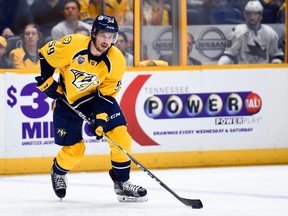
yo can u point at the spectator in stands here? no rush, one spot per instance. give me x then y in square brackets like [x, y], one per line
[122, 45]
[240, 5]
[14, 16]
[155, 12]
[272, 10]
[220, 12]
[27, 56]
[281, 13]
[119, 9]
[4, 61]
[71, 12]
[252, 42]
[47, 13]
[190, 60]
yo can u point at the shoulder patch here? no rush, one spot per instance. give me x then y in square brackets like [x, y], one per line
[67, 40]
[80, 59]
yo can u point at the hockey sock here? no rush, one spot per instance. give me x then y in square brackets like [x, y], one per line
[120, 171]
[57, 169]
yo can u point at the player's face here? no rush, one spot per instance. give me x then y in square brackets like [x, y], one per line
[103, 41]
[253, 19]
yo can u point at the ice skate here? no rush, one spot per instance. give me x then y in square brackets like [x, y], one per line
[59, 183]
[128, 192]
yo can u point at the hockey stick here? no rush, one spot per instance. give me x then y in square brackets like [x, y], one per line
[194, 203]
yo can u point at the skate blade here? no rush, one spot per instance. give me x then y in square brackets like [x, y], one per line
[132, 199]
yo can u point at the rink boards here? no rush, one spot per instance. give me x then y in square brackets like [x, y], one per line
[178, 117]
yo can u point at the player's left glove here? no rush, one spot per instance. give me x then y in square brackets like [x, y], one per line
[49, 86]
[97, 123]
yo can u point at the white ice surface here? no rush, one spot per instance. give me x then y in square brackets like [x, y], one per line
[229, 191]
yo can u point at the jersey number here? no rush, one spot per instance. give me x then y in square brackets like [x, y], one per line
[51, 48]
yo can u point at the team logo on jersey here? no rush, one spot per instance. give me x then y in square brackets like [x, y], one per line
[67, 40]
[80, 60]
[61, 132]
[256, 50]
[83, 80]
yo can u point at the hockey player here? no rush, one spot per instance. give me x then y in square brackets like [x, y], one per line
[252, 42]
[91, 69]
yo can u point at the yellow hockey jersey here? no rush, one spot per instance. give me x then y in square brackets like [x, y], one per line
[81, 72]
[22, 60]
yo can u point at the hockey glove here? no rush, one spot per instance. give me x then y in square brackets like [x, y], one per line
[49, 86]
[97, 123]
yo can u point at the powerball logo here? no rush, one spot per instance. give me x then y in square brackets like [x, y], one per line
[203, 105]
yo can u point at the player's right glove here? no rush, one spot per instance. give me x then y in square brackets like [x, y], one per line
[97, 123]
[49, 86]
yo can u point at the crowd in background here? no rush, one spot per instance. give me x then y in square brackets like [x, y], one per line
[27, 25]
[231, 11]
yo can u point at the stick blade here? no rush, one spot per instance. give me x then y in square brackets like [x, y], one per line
[194, 203]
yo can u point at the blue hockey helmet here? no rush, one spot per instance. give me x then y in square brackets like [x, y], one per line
[105, 23]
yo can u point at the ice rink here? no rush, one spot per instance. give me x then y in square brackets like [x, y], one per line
[229, 191]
